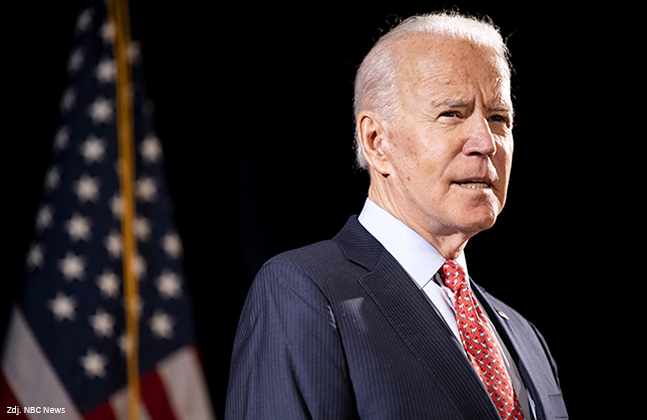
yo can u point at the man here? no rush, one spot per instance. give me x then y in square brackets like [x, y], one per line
[382, 321]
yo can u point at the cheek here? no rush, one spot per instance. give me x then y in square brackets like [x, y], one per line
[507, 148]
[506, 167]
[424, 168]
[404, 157]
[503, 167]
[416, 161]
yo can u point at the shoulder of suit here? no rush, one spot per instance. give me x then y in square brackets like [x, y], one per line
[314, 259]
[352, 245]
[322, 264]
[319, 251]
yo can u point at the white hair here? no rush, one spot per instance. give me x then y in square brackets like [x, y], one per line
[375, 84]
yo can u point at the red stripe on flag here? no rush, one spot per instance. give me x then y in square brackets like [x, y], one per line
[102, 412]
[154, 397]
[8, 400]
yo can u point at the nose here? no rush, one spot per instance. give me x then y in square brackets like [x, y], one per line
[479, 138]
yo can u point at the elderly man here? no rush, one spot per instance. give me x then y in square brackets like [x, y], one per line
[383, 321]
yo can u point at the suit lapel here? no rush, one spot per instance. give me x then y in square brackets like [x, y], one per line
[422, 330]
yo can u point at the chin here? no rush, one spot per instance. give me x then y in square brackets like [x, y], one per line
[476, 221]
[478, 213]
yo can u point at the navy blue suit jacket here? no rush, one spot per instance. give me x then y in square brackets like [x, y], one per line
[337, 330]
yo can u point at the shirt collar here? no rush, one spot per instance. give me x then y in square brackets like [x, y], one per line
[417, 256]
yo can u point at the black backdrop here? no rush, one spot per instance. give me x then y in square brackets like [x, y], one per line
[254, 110]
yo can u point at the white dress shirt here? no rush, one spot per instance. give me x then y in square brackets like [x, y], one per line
[422, 262]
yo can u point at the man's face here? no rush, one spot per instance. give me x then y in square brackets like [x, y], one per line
[451, 149]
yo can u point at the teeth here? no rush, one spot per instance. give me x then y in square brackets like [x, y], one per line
[475, 185]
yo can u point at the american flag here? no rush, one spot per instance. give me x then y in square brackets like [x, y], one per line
[66, 342]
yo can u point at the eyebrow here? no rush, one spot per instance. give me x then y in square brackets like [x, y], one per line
[460, 103]
[451, 103]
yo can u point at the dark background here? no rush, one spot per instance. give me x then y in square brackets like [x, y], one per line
[254, 110]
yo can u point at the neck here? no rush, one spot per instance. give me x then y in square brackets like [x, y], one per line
[449, 243]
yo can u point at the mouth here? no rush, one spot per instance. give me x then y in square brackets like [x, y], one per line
[475, 184]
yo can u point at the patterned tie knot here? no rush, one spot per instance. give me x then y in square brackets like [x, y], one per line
[454, 276]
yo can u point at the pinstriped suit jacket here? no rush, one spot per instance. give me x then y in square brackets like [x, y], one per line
[337, 330]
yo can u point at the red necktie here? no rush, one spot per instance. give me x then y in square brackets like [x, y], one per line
[480, 344]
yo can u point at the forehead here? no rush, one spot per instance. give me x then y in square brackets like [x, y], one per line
[432, 65]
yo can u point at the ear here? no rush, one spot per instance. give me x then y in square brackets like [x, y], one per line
[372, 134]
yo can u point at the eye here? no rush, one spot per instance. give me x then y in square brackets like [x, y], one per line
[449, 114]
[500, 119]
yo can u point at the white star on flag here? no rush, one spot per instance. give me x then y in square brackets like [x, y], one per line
[75, 61]
[35, 257]
[140, 267]
[63, 307]
[93, 149]
[168, 284]
[142, 228]
[151, 149]
[146, 189]
[52, 179]
[102, 323]
[72, 267]
[134, 52]
[172, 245]
[106, 71]
[117, 207]
[113, 244]
[87, 188]
[44, 217]
[161, 325]
[125, 345]
[78, 227]
[108, 283]
[84, 20]
[108, 32]
[101, 111]
[68, 100]
[94, 364]
[62, 138]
